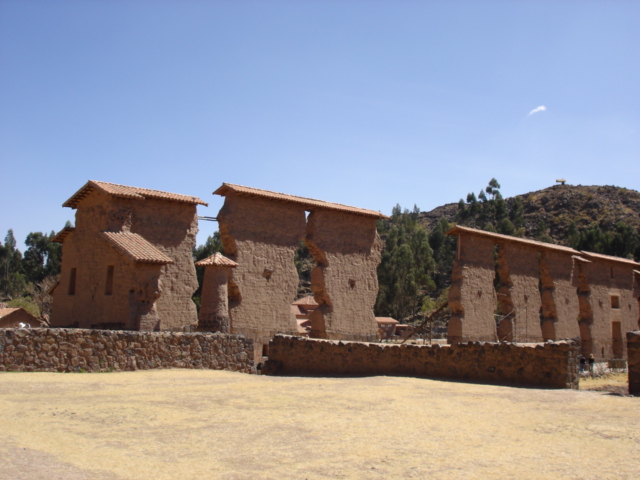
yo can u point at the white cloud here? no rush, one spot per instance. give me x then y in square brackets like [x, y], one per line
[541, 108]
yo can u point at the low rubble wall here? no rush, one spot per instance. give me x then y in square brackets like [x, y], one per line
[551, 365]
[633, 361]
[82, 350]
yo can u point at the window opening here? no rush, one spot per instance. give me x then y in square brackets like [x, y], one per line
[615, 301]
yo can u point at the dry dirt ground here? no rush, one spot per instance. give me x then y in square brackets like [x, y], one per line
[194, 424]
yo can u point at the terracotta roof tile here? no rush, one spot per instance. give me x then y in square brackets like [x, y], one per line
[7, 310]
[62, 234]
[230, 189]
[123, 191]
[599, 256]
[499, 237]
[136, 247]
[216, 260]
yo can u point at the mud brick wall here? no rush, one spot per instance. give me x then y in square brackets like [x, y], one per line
[74, 350]
[144, 296]
[560, 303]
[633, 361]
[552, 365]
[347, 251]
[262, 236]
[472, 297]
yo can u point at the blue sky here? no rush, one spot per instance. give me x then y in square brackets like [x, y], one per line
[366, 103]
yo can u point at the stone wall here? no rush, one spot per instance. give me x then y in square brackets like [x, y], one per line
[74, 350]
[551, 365]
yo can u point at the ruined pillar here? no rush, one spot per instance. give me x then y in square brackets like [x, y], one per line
[519, 292]
[261, 235]
[472, 297]
[585, 310]
[560, 308]
[214, 300]
[347, 249]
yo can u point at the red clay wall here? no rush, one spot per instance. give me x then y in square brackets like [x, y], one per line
[551, 365]
[347, 249]
[472, 296]
[73, 350]
[262, 237]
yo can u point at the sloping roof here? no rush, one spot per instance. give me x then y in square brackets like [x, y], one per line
[457, 230]
[216, 260]
[123, 191]
[308, 300]
[231, 189]
[62, 234]
[135, 247]
[599, 256]
[9, 310]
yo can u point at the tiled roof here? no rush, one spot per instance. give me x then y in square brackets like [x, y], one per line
[123, 191]
[62, 234]
[507, 238]
[135, 247]
[386, 320]
[308, 300]
[230, 189]
[610, 258]
[216, 260]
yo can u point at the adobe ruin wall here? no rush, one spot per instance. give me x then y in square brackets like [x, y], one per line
[633, 361]
[144, 296]
[75, 350]
[547, 365]
[261, 236]
[472, 296]
[347, 250]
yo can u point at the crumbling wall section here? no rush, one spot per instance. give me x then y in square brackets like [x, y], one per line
[633, 361]
[560, 301]
[172, 228]
[525, 291]
[472, 297]
[347, 249]
[261, 236]
[549, 365]
[81, 350]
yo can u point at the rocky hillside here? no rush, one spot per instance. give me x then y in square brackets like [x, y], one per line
[559, 205]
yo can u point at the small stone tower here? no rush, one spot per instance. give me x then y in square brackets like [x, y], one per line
[214, 304]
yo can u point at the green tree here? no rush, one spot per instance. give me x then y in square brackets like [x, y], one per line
[404, 274]
[41, 258]
[12, 280]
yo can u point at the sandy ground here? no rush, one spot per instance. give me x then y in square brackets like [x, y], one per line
[193, 424]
